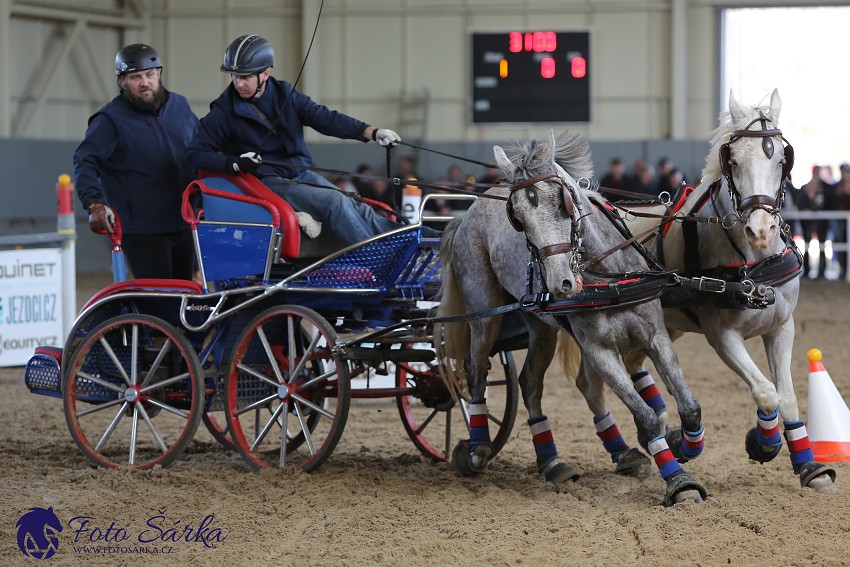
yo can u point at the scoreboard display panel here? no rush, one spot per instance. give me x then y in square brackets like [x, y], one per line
[530, 76]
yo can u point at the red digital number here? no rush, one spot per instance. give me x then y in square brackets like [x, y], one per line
[515, 42]
[578, 67]
[547, 67]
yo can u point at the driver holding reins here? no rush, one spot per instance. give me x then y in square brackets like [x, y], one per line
[257, 126]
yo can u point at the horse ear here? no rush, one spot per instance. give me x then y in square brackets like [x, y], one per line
[775, 106]
[503, 162]
[550, 147]
[735, 110]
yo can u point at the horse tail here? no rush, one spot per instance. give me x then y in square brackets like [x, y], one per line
[569, 354]
[451, 340]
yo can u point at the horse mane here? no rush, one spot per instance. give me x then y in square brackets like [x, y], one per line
[572, 152]
[721, 134]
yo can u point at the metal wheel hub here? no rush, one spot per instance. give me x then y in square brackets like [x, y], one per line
[132, 395]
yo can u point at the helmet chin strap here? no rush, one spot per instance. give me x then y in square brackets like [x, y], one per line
[260, 85]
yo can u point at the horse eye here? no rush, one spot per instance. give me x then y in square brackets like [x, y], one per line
[531, 195]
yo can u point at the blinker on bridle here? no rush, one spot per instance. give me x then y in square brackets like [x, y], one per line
[569, 206]
[772, 205]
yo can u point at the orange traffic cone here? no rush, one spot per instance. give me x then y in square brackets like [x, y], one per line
[829, 417]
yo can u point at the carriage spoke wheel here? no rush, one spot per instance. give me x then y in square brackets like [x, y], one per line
[133, 392]
[436, 423]
[287, 393]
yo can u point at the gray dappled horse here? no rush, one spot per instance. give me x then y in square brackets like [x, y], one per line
[739, 236]
[484, 266]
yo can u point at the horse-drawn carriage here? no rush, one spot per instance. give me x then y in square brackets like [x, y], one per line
[264, 349]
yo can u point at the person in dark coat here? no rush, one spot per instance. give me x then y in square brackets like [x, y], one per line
[257, 126]
[131, 163]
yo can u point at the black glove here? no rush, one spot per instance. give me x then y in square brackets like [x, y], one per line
[246, 163]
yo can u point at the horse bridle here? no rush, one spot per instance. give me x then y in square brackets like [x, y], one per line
[772, 205]
[570, 206]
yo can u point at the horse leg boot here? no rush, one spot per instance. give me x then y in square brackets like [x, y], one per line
[471, 458]
[646, 387]
[541, 351]
[763, 441]
[628, 461]
[681, 487]
[812, 474]
[688, 442]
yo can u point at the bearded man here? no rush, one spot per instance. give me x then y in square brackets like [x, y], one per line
[131, 163]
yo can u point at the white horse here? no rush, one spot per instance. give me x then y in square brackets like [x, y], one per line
[737, 240]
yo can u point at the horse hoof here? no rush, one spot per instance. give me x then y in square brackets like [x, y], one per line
[683, 488]
[471, 462]
[758, 452]
[633, 463]
[819, 477]
[557, 471]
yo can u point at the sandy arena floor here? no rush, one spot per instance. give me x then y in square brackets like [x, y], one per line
[376, 501]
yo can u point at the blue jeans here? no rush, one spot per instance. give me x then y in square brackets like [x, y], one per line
[349, 220]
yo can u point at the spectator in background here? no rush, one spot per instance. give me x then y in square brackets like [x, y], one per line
[454, 178]
[376, 188]
[663, 170]
[812, 197]
[491, 176]
[841, 202]
[632, 177]
[646, 182]
[133, 161]
[674, 179]
[614, 178]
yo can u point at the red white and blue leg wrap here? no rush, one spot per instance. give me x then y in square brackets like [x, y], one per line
[693, 442]
[767, 430]
[479, 431]
[544, 443]
[609, 433]
[798, 444]
[645, 386]
[666, 462]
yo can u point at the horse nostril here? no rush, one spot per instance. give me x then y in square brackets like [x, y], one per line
[567, 286]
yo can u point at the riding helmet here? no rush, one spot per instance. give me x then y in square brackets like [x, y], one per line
[248, 54]
[136, 57]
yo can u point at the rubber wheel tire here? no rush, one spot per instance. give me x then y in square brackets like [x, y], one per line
[436, 429]
[287, 393]
[136, 377]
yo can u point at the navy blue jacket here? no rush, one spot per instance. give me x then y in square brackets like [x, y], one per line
[135, 162]
[234, 127]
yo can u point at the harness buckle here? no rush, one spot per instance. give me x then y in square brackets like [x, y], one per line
[711, 285]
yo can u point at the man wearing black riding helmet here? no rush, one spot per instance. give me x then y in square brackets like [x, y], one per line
[257, 126]
[132, 162]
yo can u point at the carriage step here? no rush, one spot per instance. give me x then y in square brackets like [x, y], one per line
[390, 355]
[42, 374]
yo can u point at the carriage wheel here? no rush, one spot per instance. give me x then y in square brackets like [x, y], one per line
[216, 424]
[133, 392]
[287, 393]
[436, 423]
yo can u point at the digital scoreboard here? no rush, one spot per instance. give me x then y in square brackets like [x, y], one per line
[530, 76]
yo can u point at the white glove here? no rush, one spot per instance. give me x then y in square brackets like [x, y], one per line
[110, 220]
[311, 227]
[386, 137]
[247, 163]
